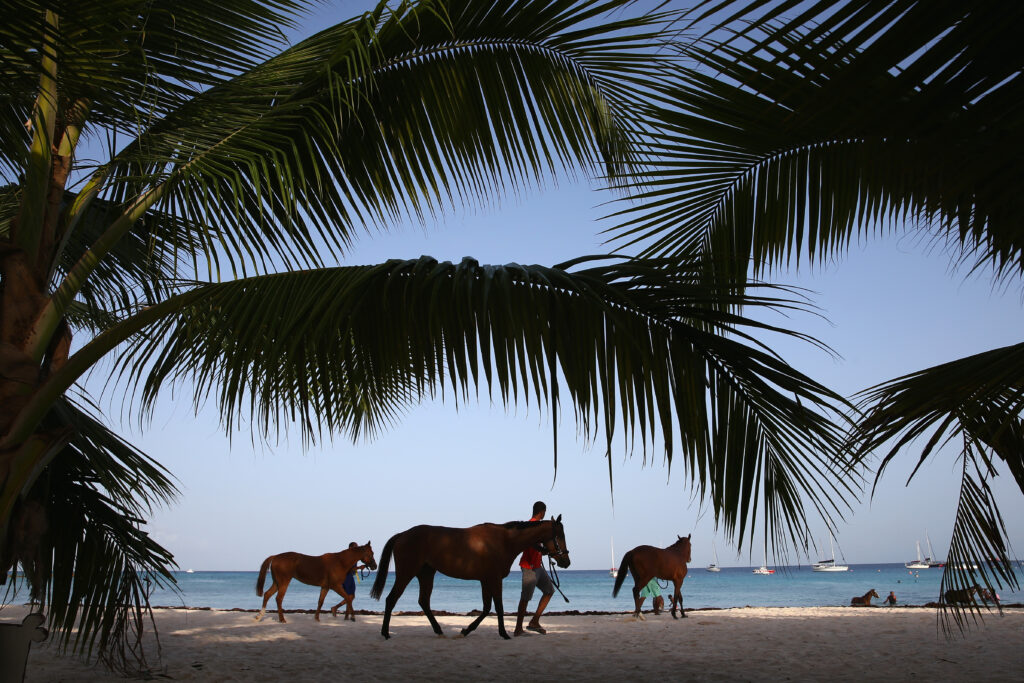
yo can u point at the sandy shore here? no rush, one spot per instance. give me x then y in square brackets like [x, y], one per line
[747, 644]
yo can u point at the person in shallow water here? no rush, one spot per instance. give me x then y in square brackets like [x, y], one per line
[534, 576]
[890, 599]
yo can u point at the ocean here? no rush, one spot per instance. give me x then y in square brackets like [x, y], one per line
[591, 590]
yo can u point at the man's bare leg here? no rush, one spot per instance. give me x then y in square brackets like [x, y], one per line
[523, 604]
[535, 622]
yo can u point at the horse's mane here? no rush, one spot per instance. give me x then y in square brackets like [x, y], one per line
[521, 525]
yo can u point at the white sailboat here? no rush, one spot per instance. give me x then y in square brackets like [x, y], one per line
[613, 572]
[713, 567]
[763, 569]
[932, 562]
[918, 563]
[830, 565]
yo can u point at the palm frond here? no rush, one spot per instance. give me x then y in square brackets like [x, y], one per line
[403, 111]
[349, 349]
[792, 137]
[978, 401]
[978, 560]
[132, 61]
[94, 562]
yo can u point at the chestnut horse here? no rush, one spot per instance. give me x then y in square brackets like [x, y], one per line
[645, 562]
[327, 571]
[483, 553]
[863, 600]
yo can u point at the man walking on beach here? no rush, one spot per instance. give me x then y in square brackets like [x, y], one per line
[534, 576]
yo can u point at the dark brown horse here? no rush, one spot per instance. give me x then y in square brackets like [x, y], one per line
[483, 553]
[327, 571]
[863, 600]
[645, 562]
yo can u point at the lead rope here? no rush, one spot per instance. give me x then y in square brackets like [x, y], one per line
[554, 577]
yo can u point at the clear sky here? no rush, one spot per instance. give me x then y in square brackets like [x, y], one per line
[893, 307]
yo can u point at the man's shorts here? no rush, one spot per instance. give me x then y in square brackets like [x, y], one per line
[536, 578]
[350, 584]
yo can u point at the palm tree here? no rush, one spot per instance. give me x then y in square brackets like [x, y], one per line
[203, 246]
[800, 126]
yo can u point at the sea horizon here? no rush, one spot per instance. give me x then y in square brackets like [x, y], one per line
[588, 590]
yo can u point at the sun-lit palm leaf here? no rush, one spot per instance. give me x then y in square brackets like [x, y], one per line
[396, 112]
[349, 349]
[131, 60]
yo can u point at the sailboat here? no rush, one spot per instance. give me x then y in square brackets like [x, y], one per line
[932, 562]
[763, 569]
[830, 565]
[613, 572]
[918, 563]
[713, 567]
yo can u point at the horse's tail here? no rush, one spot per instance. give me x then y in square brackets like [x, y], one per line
[620, 575]
[382, 569]
[263, 575]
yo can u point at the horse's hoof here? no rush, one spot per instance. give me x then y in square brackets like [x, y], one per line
[505, 636]
[387, 636]
[441, 635]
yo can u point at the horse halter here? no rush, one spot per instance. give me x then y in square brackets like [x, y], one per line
[559, 550]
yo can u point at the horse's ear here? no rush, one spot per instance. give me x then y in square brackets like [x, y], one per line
[367, 544]
[559, 518]
[678, 537]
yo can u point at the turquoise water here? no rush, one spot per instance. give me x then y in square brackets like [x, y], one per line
[591, 590]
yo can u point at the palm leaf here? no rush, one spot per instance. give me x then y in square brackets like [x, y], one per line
[327, 137]
[349, 349]
[96, 562]
[791, 137]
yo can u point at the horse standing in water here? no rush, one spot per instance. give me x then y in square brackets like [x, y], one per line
[327, 571]
[645, 562]
[863, 600]
[483, 553]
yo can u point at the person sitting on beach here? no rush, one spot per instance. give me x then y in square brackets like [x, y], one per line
[652, 589]
[890, 599]
[534, 575]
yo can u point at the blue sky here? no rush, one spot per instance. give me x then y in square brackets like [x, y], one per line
[893, 307]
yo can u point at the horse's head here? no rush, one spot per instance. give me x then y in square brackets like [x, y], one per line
[683, 545]
[873, 593]
[555, 546]
[367, 556]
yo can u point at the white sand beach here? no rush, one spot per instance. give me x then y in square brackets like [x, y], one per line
[745, 644]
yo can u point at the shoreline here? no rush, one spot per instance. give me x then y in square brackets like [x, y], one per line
[734, 644]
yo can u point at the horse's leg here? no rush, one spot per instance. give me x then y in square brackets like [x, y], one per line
[499, 608]
[282, 588]
[426, 579]
[637, 601]
[320, 602]
[486, 592]
[266, 599]
[402, 580]
[677, 597]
